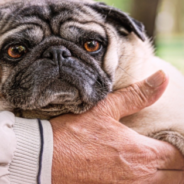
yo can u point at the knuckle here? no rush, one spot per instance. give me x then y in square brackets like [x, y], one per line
[107, 106]
[140, 98]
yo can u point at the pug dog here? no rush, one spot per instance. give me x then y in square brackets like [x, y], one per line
[59, 56]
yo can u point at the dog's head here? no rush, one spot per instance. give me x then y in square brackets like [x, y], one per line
[60, 56]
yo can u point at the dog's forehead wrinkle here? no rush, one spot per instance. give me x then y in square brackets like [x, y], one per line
[35, 34]
[37, 22]
[86, 26]
[14, 21]
[5, 21]
[80, 14]
[42, 12]
[46, 16]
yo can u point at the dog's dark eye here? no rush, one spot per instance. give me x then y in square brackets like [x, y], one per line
[92, 46]
[16, 51]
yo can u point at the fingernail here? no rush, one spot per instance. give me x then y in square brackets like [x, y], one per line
[156, 79]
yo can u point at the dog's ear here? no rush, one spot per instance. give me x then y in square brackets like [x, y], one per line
[120, 19]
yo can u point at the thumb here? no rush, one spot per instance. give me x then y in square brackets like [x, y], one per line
[136, 97]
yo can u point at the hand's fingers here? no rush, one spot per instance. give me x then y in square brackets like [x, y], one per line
[136, 97]
[171, 158]
[166, 155]
[167, 177]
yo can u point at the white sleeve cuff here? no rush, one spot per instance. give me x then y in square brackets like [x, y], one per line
[32, 162]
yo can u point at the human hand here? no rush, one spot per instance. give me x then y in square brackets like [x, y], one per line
[94, 148]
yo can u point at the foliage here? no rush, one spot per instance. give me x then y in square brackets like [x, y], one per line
[171, 49]
[124, 5]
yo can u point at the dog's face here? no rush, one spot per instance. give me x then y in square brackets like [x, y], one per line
[63, 56]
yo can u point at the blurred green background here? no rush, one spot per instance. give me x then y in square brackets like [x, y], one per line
[164, 21]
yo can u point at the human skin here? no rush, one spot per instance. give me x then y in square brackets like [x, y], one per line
[94, 148]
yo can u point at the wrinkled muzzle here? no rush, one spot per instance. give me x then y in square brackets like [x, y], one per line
[56, 75]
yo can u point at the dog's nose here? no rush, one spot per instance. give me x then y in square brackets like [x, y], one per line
[57, 53]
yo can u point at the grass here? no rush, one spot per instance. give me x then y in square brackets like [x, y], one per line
[171, 49]
[120, 4]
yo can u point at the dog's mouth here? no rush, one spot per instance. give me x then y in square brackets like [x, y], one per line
[61, 92]
[69, 100]
[60, 102]
[59, 97]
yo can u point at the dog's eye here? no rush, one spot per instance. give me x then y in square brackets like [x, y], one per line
[16, 51]
[92, 46]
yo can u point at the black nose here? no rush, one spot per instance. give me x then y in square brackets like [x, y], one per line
[57, 53]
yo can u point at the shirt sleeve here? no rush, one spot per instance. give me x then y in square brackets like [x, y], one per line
[7, 144]
[32, 161]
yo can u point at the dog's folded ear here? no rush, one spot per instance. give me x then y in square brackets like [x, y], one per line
[120, 19]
